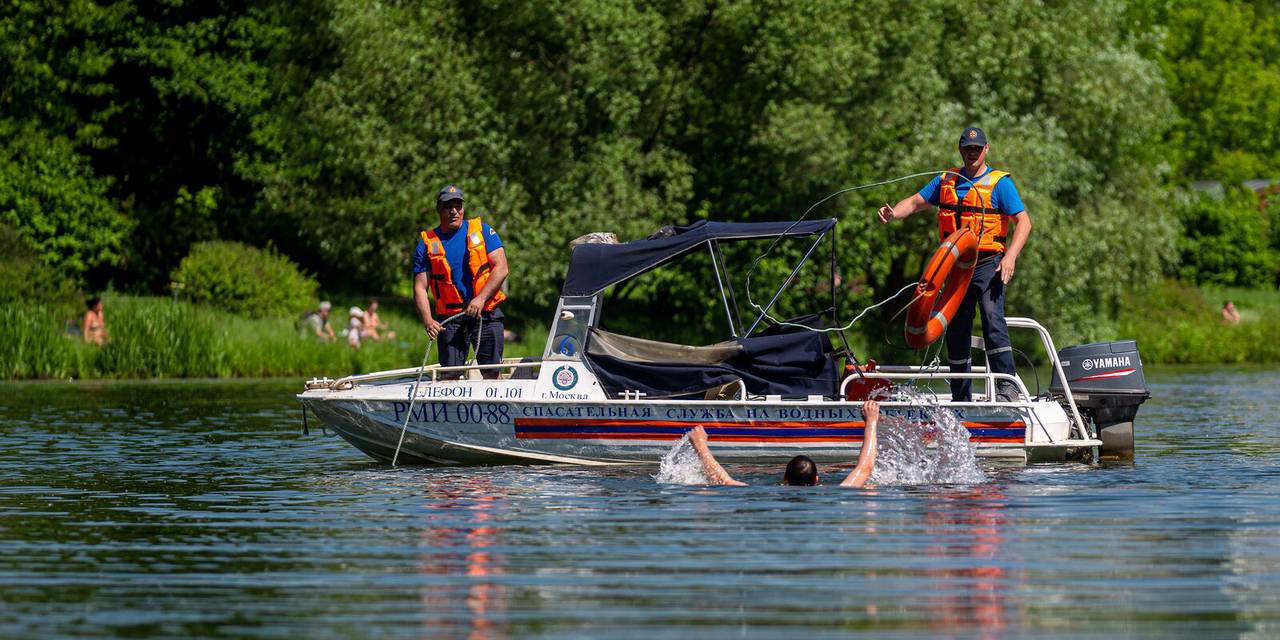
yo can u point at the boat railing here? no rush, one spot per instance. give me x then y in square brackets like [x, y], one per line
[982, 373]
[990, 377]
[1022, 401]
[1052, 351]
[435, 372]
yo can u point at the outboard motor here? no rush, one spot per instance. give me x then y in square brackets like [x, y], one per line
[1107, 383]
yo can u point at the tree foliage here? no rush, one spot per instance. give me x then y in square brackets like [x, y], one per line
[324, 127]
[157, 111]
[1227, 243]
[616, 116]
[1220, 59]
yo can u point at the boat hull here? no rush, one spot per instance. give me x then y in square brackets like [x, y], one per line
[612, 432]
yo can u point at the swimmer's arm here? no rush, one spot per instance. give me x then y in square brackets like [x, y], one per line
[715, 473]
[867, 457]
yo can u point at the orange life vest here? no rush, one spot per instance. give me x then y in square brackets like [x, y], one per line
[448, 299]
[974, 212]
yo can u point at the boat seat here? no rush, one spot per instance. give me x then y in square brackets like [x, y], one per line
[604, 343]
[523, 373]
[726, 391]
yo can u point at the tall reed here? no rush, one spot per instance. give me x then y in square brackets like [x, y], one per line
[163, 338]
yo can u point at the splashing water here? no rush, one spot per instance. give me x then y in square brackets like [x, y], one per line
[907, 453]
[680, 465]
[937, 452]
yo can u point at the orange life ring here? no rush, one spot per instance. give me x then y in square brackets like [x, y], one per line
[942, 288]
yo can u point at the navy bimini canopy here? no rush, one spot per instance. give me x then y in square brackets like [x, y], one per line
[786, 361]
[594, 267]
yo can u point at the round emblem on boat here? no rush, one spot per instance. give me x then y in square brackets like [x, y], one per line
[564, 378]
[1087, 364]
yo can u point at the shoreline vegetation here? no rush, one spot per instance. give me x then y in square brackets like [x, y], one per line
[157, 337]
[247, 156]
[1176, 323]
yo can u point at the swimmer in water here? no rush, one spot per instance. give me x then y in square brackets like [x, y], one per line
[801, 470]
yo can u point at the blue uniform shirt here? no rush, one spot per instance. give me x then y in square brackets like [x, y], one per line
[1004, 197]
[455, 251]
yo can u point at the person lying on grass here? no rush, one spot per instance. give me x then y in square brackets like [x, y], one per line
[801, 470]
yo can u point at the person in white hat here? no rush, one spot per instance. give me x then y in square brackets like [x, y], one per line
[353, 327]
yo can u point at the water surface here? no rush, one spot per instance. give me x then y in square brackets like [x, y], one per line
[200, 509]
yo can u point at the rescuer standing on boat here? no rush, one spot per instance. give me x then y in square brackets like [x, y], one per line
[463, 264]
[985, 200]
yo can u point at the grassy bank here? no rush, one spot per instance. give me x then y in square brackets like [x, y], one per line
[161, 338]
[1177, 323]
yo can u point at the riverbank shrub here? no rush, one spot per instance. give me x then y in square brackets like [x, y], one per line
[1226, 242]
[24, 278]
[243, 279]
[1176, 323]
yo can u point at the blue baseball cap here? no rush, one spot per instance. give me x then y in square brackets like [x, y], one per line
[449, 192]
[973, 137]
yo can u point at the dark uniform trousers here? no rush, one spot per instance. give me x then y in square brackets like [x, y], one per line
[986, 291]
[459, 336]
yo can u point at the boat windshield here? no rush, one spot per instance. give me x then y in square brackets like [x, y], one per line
[574, 316]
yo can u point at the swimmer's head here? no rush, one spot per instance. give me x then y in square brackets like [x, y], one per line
[801, 471]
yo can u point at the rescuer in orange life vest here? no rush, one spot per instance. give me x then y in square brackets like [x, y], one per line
[986, 201]
[463, 264]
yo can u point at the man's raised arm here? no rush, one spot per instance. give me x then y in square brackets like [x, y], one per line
[715, 473]
[867, 457]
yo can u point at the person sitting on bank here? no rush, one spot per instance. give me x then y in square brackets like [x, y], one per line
[801, 470]
[1229, 313]
[353, 327]
[464, 269]
[317, 322]
[94, 326]
[373, 324]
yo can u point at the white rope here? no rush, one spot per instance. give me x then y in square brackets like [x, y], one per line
[851, 322]
[413, 395]
[479, 337]
[778, 239]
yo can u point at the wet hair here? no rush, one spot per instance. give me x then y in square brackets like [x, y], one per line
[801, 471]
[92, 302]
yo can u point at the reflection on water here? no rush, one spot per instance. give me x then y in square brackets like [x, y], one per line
[971, 595]
[199, 509]
[463, 550]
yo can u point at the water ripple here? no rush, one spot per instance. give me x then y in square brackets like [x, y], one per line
[199, 509]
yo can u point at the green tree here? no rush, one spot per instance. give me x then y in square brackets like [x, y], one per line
[165, 110]
[1220, 59]
[53, 62]
[63, 213]
[585, 116]
[1226, 242]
